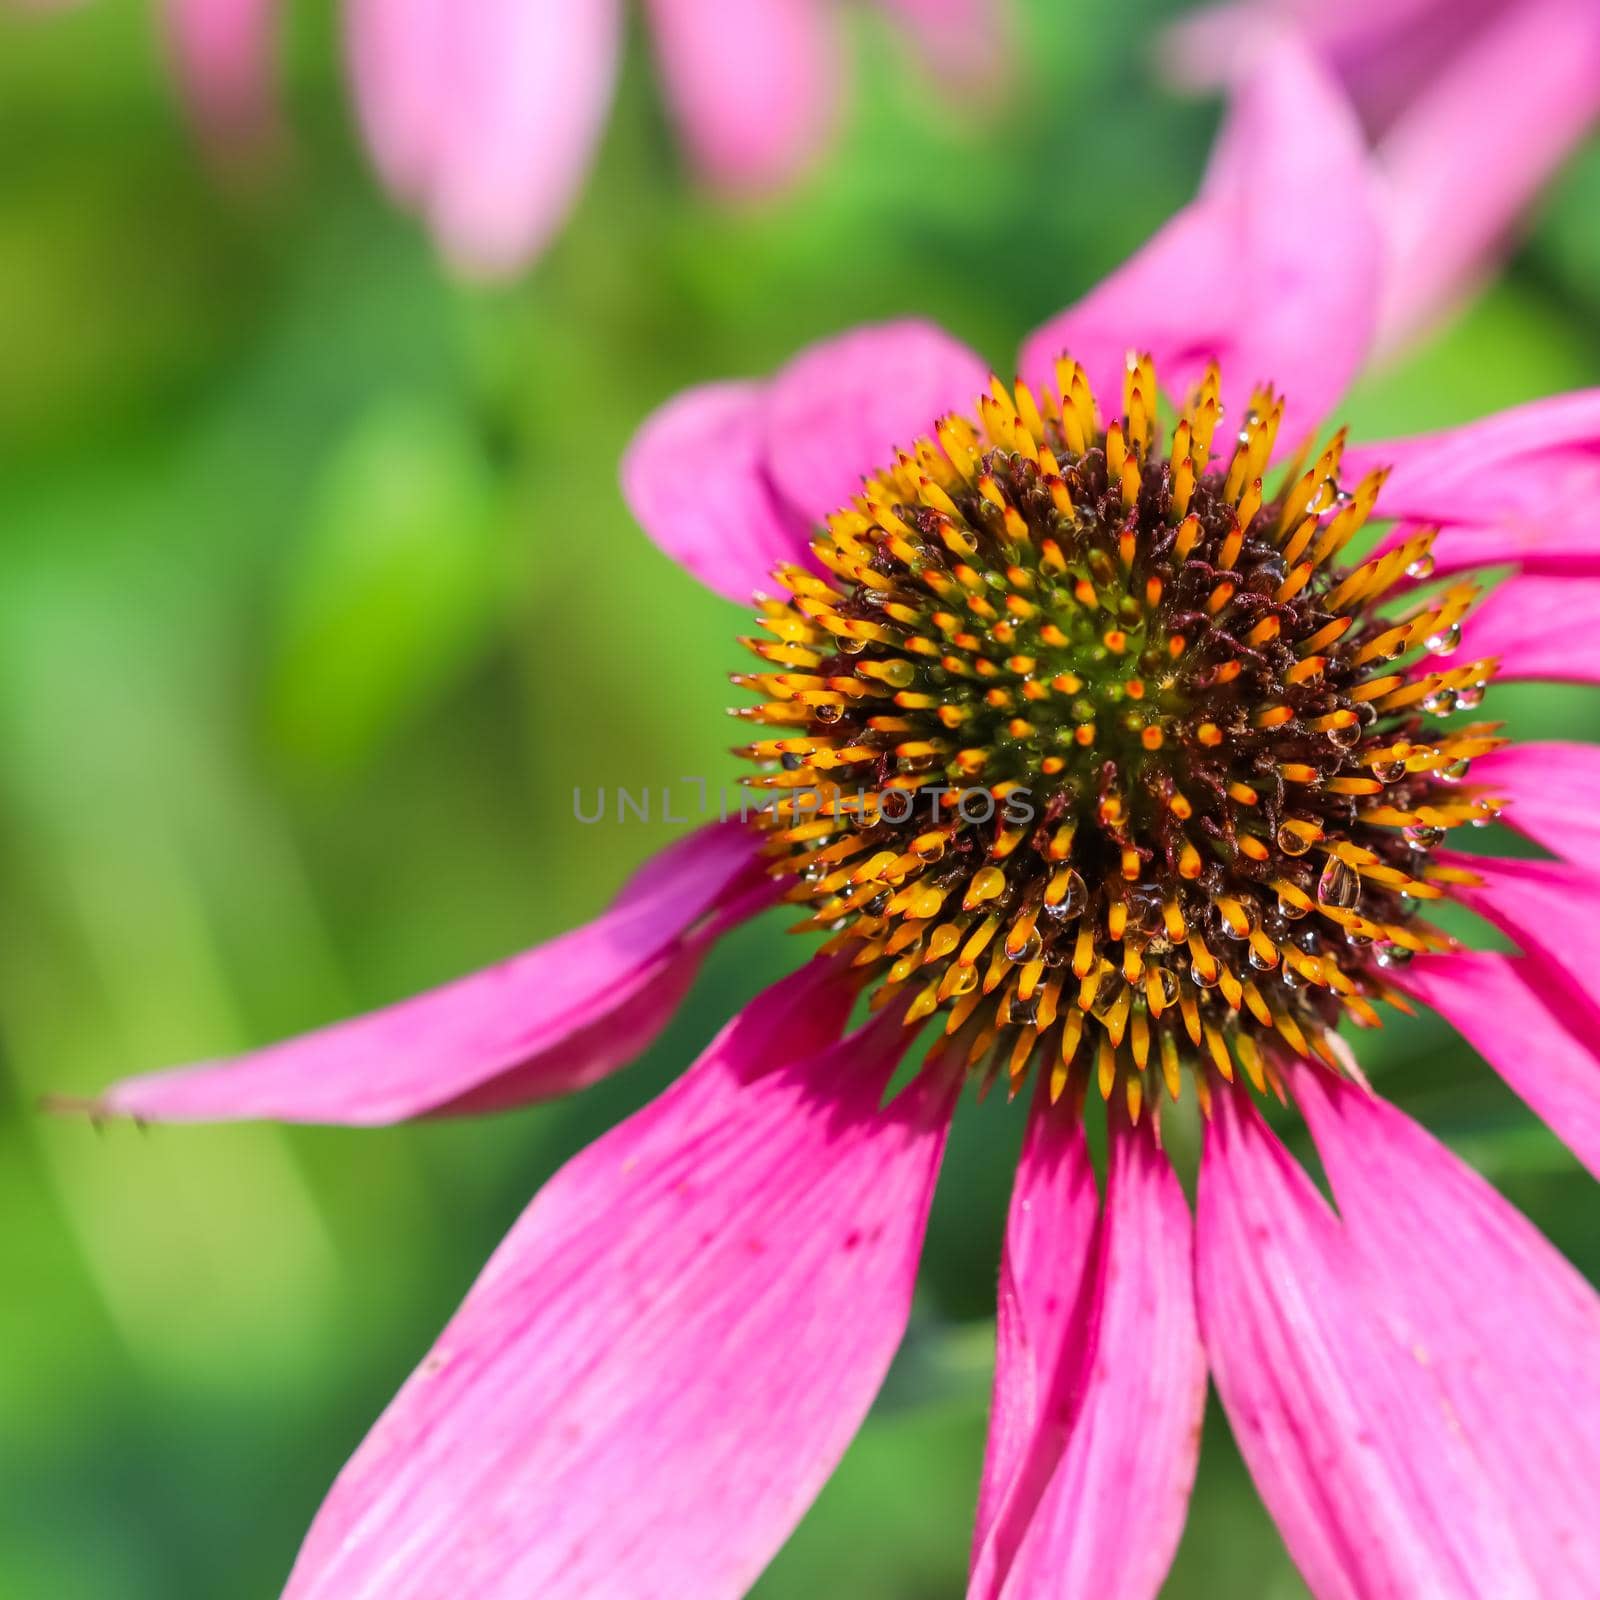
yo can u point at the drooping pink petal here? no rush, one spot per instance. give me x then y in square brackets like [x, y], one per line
[1508, 1331]
[1044, 1317]
[1554, 790]
[1518, 487]
[223, 51]
[965, 42]
[753, 87]
[1114, 1379]
[554, 1019]
[1539, 627]
[509, 112]
[1495, 1002]
[1547, 908]
[695, 477]
[1456, 180]
[840, 409]
[1346, 1431]
[1251, 273]
[663, 1362]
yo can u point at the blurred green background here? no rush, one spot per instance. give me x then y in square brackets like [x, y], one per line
[317, 597]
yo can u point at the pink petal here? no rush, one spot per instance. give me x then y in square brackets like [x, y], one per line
[663, 1362]
[965, 42]
[554, 1019]
[696, 479]
[1509, 1332]
[1519, 486]
[1116, 1381]
[396, 49]
[841, 408]
[1548, 908]
[753, 86]
[224, 55]
[1343, 1425]
[1455, 179]
[519, 95]
[1540, 627]
[1253, 273]
[1494, 1002]
[1554, 791]
[1044, 1313]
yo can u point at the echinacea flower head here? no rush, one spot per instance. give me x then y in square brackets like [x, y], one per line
[484, 116]
[1086, 747]
[1471, 106]
[1115, 777]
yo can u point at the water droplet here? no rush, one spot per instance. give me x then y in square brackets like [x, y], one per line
[1393, 955]
[898, 674]
[1023, 1012]
[1166, 985]
[1112, 988]
[1028, 950]
[1200, 979]
[1291, 841]
[1074, 897]
[791, 762]
[1339, 886]
[1388, 771]
[1471, 697]
[1456, 771]
[827, 713]
[1420, 836]
[930, 847]
[851, 646]
[1287, 908]
[1441, 702]
[1323, 499]
[1263, 960]
[876, 597]
[1144, 907]
[878, 904]
[965, 979]
[1345, 738]
[1422, 567]
[1356, 939]
[1443, 642]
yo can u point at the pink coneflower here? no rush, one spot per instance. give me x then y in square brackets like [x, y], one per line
[1245, 751]
[484, 116]
[1471, 106]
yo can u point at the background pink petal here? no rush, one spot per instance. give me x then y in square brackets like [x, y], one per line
[546, 1022]
[1520, 487]
[695, 477]
[1251, 273]
[1546, 907]
[397, 50]
[524, 88]
[842, 407]
[1508, 1330]
[1120, 1424]
[754, 87]
[1456, 179]
[1494, 1002]
[224, 52]
[1345, 1430]
[662, 1363]
[1554, 789]
[1537, 626]
[965, 42]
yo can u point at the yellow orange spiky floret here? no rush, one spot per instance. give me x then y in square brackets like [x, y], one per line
[1084, 738]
